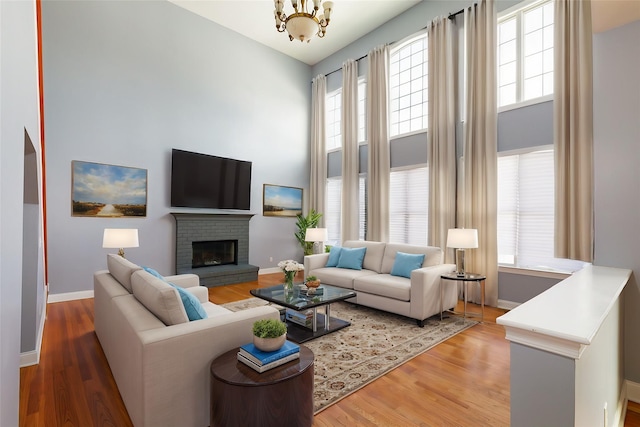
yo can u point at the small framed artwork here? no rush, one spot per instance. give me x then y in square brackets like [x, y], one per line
[281, 201]
[107, 191]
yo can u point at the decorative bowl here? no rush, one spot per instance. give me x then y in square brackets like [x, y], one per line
[313, 283]
[269, 344]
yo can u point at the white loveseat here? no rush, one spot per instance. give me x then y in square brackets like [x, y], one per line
[417, 297]
[162, 371]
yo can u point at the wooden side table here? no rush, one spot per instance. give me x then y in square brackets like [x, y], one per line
[282, 396]
[466, 279]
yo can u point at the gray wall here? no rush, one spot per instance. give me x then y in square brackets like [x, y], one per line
[127, 81]
[18, 80]
[616, 129]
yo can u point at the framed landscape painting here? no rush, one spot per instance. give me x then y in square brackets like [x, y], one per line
[107, 191]
[281, 201]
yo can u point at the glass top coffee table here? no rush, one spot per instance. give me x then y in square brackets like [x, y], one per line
[301, 300]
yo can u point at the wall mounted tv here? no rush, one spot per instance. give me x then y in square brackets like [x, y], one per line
[204, 181]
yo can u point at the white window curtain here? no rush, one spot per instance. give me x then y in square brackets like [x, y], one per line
[350, 176]
[377, 132]
[573, 130]
[441, 134]
[479, 192]
[318, 175]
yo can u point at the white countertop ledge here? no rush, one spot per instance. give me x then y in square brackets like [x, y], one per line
[565, 318]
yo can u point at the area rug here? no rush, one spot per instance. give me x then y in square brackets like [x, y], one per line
[375, 343]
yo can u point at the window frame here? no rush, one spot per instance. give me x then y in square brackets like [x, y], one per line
[425, 86]
[517, 11]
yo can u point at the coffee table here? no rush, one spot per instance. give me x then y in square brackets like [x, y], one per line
[299, 300]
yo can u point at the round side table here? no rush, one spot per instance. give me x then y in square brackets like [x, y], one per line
[466, 279]
[282, 396]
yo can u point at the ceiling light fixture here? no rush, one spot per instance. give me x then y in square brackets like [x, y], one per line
[301, 24]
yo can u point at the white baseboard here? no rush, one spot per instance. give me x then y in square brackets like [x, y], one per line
[270, 270]
[507, 305]
[29, 358]
[633, 391]
[69, 296]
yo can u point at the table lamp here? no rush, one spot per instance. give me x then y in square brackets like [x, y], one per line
[316, 235]
[461, 239]
[120, 238]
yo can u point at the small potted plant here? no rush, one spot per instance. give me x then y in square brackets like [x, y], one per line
[312, 282]
[269, 334]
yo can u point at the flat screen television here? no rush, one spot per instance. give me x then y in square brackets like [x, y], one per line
[205, 181]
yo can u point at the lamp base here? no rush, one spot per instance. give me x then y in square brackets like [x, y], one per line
[121, 252]
[318, 248]
[460, 269]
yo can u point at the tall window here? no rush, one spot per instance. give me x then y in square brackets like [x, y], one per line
[333, 210]
[362, 208]
[526, 212]
[333, 112]
[362, 110]
[408, 82]
[525, 53]
[408, 204]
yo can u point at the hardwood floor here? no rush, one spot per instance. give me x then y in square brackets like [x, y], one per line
[461, 382]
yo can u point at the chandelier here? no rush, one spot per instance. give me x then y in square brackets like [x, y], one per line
[301, 24]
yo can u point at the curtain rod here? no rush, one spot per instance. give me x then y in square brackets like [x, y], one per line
[450, 16]
[453, 15]
[334, 71]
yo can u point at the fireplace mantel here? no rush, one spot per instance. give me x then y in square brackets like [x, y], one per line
[192, 227]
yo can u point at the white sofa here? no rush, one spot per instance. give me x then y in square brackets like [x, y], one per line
[417, 298]
[162, 371]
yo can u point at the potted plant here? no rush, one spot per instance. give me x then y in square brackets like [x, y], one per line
[304, 222]
[312, 281]
[269, 334]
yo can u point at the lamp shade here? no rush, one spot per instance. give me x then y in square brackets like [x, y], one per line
[316, 235]
[120, 238]
[462, 238]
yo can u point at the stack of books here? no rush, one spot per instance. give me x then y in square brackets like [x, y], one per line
[262, 361]
[302, 318]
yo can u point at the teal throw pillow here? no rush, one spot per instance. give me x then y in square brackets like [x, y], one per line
[192, 305]
[351, 258]
[195, 310]
[334, 256]
[153, 272]
[404, 264]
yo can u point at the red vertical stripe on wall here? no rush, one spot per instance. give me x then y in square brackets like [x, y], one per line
[42, 144]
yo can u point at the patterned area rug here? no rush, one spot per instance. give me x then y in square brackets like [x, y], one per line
[375, 343]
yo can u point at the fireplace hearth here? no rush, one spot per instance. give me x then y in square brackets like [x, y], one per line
[215, 247]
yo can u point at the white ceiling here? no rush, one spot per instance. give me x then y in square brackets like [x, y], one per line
[254, 19]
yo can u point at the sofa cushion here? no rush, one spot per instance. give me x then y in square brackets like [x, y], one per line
[384, 285]
[341, 277]
[406, 263]
[191, 303]
[351, 258]
[334, 256]
[159, 298]
[433, 255]
[373, 257]
[121, 269]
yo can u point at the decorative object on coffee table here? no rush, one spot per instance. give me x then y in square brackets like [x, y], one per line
[290, 268]
[312, 282]
[269, 334]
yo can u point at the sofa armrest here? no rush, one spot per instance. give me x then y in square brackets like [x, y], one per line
[175, 365]
[200, 292]
[184, 280]
[425, 291]
[313, 262]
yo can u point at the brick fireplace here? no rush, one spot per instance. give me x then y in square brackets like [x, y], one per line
[230, 231]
